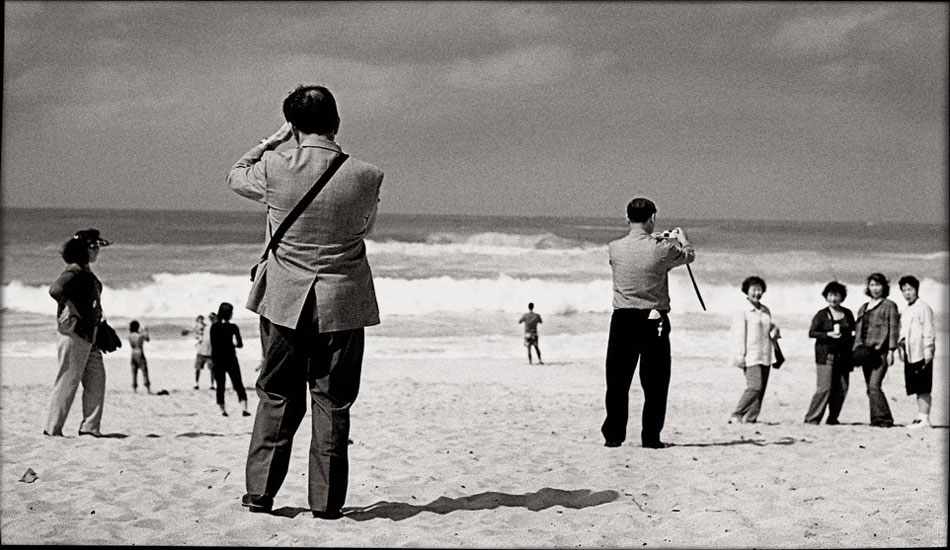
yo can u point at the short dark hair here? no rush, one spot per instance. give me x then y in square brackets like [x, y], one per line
[836, 288]
[909, 280]
[76, 251]
[530, 305]
[753, 280]
[639, 210]
[225, 310]
[312, 109]
[134, 326]
[879, 278]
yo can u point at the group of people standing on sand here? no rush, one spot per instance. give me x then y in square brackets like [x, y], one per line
[216, 350]
[313, 291]
[843, 342]
[84, 335]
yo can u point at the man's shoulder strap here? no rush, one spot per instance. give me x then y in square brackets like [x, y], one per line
[304, 202]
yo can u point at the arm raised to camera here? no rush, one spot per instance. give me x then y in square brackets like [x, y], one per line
[246, 177]
[682, 251]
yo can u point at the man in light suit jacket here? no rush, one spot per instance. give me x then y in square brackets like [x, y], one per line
[314, 294]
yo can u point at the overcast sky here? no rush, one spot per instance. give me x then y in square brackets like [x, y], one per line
[824, 111]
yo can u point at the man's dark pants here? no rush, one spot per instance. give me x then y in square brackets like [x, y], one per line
[330, 364]
[633, 337]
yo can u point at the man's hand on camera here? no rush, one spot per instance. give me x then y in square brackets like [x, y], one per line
[284, 133]
[680, 235]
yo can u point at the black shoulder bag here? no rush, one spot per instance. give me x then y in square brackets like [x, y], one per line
[107, 340]
[304, 202]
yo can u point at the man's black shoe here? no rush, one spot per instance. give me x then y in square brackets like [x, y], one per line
[654, 445]
[328, 514]
[259, 504]
[612, 443]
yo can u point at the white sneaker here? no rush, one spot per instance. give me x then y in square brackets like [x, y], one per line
[918, 423]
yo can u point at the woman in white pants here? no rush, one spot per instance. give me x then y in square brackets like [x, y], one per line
[79, 314]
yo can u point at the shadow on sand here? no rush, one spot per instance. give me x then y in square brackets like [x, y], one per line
[539, 500]
[743, 441]
[112, 436]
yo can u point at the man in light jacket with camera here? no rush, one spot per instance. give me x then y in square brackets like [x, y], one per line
[314, 294]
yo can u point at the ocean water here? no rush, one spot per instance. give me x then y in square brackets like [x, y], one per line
[453, 287]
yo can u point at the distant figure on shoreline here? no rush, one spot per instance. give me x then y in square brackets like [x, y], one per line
[876, 335]
[918, 344]
[225, 337]
[77, 292]
[137, 342]
[752, 333]
[531, 321]
[833, 330]
[640, 324]
[203, 345]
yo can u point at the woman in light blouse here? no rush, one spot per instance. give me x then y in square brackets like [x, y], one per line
[918, 343]
[833, 331]
[877, 331]
[751, 335]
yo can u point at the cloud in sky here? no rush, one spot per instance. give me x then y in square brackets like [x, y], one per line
[478, 105]
[369, 89]
[825, 34]
[850, 70]
[532, 66]
[525, 19]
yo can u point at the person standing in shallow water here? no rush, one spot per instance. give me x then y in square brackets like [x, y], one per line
[77, 292]
[137, 343]
[225, 337]
[531, 321]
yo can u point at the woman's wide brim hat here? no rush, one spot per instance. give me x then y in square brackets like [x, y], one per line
[91, 236]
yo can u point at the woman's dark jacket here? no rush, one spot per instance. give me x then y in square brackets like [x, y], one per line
[81, 287]
[879, 327]
[839, 348]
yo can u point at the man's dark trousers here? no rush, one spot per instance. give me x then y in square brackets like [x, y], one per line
[330, 364]
[633, 337]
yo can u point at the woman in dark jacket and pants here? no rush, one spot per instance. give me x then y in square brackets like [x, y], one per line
[77, 292]
[833, 331]
[877, 331]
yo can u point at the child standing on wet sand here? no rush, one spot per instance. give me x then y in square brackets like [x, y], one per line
[137, 342]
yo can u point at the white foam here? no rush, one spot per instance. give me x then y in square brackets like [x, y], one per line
[168, 296]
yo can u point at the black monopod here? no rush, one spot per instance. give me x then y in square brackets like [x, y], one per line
[695, 287]
[668, 235]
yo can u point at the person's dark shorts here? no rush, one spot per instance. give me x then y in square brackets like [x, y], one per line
[530, 339]
[919, 377]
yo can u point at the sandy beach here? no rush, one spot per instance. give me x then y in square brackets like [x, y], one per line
[482, 453]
